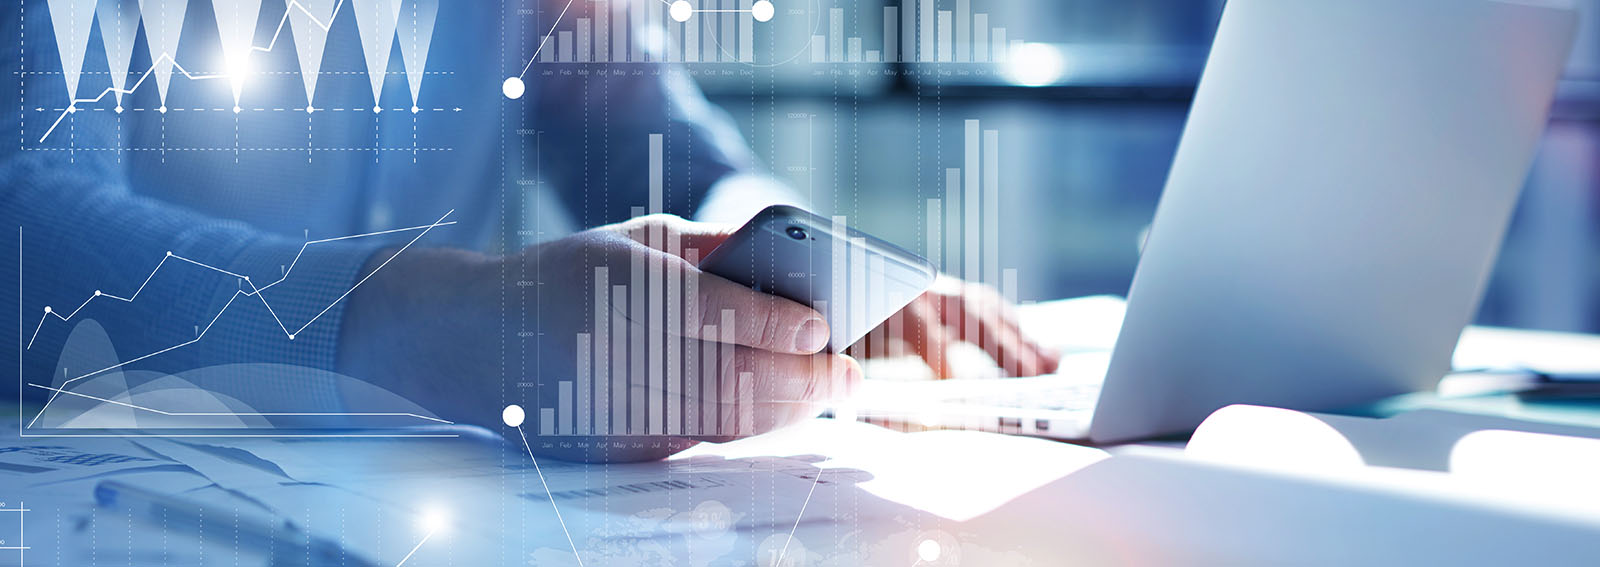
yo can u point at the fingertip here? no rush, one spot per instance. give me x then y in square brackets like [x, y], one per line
[1050, 358]
[811, 336]
[851, 376]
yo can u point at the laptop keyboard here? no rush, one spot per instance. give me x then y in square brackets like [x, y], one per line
[1063, 397]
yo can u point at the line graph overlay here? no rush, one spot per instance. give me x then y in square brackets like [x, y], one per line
[514, 418]
[679, 11]
[542, 43]
[252, 292]
[311, 36]
[514, 415]
[414, 549]
[245, 414]
[785, 551]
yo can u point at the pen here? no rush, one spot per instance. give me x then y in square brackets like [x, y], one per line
[280, 538]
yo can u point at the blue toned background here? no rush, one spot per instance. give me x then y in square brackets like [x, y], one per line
[1085, 155]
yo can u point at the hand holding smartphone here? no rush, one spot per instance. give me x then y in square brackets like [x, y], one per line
[855, 280]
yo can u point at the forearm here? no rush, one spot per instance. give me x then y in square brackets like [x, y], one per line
[168, 280]
[406, 329]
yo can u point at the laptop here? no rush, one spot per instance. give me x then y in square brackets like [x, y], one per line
[1335, 205]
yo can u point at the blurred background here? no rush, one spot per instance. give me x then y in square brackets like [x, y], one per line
[1089, 110]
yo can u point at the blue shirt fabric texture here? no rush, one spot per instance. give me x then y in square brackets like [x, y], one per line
[99, 203]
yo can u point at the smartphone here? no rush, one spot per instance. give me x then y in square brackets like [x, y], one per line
[855, 280]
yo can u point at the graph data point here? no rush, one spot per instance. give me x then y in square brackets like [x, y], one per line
[47, 310]
[512, 87]
[162, 109]
[291, 337]
[310, 109]
[762, 10]
[118, 109]
[415, 110]
[929, 551]
[97, 293]
[681, 10]
[513, 415]
[377, 109]
[72, 109]
[236, 109]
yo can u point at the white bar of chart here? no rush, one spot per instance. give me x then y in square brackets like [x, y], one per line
[963, 227]
[639, 333]
[915, 31]
[632, 379]
[620, 31]
[629, 378]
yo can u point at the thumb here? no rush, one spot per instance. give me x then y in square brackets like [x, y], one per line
[655, 231]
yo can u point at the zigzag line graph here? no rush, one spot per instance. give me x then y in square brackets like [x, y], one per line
[379, 23]
[253, 291]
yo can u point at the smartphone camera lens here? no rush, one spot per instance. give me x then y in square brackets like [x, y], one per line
[796, 233]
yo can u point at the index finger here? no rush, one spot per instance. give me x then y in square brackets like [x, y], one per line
[746, 317]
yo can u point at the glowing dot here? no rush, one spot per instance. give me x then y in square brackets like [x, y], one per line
[512, 88]
[310, 109]
[762, 11]
[415, 110]
[97, 293]
[377, 109]
[291, 337]
[1035, 64]
[681, 10]
[118, 109]
[433, 520]
[47, 309]
[162, 109]
[72, 109]
[929, 550]
[513, 415]
[236, 109]
[169, 252]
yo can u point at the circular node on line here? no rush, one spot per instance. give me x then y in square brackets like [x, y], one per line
[513, 415]
[512, 88]
[681, 11]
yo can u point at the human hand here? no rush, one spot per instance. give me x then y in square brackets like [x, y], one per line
[955, 311]
[464, 334]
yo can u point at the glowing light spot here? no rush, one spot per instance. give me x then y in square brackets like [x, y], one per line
[433, 520]
[1035, 64]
